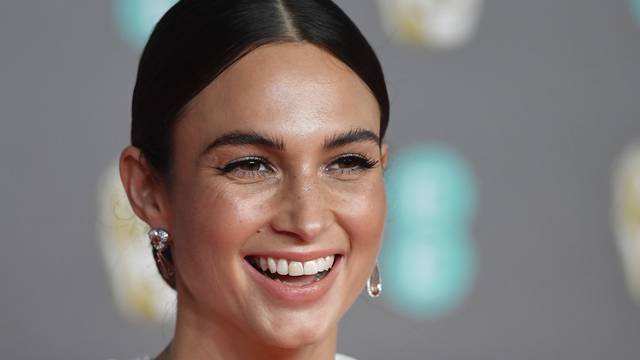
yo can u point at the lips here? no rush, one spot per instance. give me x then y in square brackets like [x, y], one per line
[295, 281]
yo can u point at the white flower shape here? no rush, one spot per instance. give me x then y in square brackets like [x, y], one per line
[441, 24]
[626, 214]
[140, 292]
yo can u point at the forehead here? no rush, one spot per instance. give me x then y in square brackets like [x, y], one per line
[292, 90]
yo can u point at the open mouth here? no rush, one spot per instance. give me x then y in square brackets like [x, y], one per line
[294, 273]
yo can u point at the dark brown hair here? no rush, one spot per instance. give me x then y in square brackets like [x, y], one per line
[196, 40]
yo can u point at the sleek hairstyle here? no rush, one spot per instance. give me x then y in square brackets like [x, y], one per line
[196, 40]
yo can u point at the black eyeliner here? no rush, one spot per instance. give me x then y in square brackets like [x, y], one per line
[232, 165]
[363, 160]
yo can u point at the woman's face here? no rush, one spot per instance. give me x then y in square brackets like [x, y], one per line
[278, 158]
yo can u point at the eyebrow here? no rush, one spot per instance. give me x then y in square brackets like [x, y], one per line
[351, 136]
[245, 138]
[239, 138]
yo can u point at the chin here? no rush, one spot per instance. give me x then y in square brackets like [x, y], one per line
[297, 332]
[298, 339]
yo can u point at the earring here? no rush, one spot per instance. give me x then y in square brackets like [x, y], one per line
[162, 254]
[374, 283]
[159, 238]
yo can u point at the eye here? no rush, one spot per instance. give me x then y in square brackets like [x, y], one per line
[351, 164]
[248, 167]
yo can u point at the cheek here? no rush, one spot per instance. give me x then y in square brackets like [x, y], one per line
[363, 217]
[212, 225]
[367, 211]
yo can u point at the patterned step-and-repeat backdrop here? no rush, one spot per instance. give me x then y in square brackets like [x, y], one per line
[429, 259]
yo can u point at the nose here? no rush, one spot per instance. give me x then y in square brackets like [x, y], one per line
[303, 210]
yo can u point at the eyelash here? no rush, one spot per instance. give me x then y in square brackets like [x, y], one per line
[234, 166]
[361, 163]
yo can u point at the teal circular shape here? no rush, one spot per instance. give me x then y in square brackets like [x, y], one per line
[635, 10]
[429, 184]
[135, 19]
[428, 261]
[427, 272]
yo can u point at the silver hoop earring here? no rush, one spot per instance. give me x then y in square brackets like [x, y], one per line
[374, 283]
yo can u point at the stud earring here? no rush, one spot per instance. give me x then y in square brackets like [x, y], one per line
[374, 283]
[159, 239]
[160, 243]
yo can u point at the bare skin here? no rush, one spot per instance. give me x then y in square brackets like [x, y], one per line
[290, 187]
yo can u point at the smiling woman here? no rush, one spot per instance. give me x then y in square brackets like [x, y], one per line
[257, 159]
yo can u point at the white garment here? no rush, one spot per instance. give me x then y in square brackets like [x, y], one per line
[343, 357]
[338, 357]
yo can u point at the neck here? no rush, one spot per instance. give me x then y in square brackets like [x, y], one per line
[198, 338]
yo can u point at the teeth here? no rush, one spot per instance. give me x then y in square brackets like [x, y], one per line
[295, 268]
[329, 261]
[321, 264]
[283, 267]
[310, 267]
[272, 265]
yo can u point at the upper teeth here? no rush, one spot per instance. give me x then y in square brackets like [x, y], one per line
[296, 268]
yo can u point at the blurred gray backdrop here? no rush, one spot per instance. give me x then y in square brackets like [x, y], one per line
[540, 103]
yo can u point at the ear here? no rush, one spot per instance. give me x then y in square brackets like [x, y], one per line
[146, 192]
[384, 155]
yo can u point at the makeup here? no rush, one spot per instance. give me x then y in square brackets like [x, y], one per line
[298, 289]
